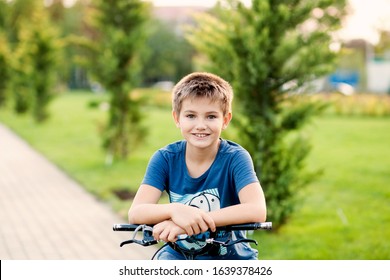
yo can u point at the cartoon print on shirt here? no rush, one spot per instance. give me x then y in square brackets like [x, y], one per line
[208, 200]
[205, 201]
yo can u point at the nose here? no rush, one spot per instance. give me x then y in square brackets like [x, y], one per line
[200, 125]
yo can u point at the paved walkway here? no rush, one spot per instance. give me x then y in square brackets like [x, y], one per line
[45, 215]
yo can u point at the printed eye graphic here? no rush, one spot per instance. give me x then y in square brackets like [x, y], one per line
[205, 201]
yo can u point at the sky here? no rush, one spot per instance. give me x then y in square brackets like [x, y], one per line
[368, 15]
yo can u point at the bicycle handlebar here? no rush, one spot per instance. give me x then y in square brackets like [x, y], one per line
[191, 246]
[248, 226]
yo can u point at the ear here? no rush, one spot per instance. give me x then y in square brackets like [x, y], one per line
[226, 120]
[176, 118]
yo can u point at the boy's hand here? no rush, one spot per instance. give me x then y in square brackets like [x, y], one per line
[193, 220]
[167, 231]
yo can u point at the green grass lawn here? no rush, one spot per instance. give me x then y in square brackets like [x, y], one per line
[343, 215]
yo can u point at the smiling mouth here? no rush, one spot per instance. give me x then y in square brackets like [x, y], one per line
[200, 135]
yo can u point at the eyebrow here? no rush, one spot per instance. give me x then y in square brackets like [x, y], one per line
[191, 111]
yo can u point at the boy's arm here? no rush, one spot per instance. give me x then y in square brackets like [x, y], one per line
[145, 210]
[252, 208]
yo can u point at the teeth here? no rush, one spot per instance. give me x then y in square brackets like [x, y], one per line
[200, 135]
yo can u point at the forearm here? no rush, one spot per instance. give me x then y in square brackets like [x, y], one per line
[252, 208]
[149, 213]
[239, 214]
[192, 220]
[145, 208]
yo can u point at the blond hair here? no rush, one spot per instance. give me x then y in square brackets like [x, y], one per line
[202, 84]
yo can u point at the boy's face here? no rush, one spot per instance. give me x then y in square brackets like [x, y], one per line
[201, 122]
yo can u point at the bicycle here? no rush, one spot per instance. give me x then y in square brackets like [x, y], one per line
[196, 245]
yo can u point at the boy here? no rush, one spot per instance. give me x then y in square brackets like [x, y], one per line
[210, 181]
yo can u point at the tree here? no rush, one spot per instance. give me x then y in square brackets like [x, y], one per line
[72, 22]
[382, 49]
[4, 67]
[269, 51]
[36, 57]
[4, 52]
[169, 56]
[29, 50]
[117, 67]
[44, 50]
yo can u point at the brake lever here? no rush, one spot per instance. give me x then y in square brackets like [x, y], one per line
[230, 242]
[147, 239]
[142, 242]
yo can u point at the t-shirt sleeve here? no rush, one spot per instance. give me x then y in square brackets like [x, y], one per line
[243, 170]
[156, 174]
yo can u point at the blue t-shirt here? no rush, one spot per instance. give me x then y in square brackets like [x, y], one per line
[217, 188]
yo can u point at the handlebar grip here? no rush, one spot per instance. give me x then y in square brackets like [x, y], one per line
[249, 226]
[265, 225]
[124, 227]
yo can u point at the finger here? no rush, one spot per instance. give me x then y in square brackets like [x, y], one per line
[156, 236]
[164, 236]
[196, 229]
[203, 226]
[172, 237]
[189, 230]
[210, 223]
[156, 233]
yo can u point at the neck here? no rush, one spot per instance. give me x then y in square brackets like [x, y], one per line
[202, 155]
